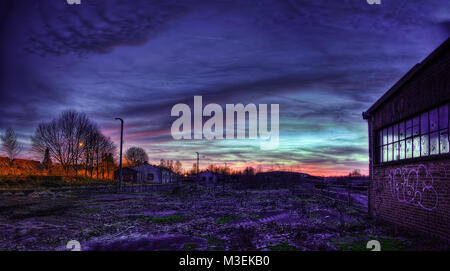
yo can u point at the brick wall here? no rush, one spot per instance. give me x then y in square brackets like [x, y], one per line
[413, 195]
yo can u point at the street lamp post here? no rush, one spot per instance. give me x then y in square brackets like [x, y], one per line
[120, 161]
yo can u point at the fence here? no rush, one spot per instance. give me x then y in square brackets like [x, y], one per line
[351, 193]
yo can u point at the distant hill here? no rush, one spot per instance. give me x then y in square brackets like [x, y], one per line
[287, 174]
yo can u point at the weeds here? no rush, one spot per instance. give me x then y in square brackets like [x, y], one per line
[225, 219]
[283, 246]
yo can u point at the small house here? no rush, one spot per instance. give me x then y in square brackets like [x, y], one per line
[208, 178]
[147, 173]
[129, 175]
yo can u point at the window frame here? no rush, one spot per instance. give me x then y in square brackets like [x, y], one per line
[388, 141]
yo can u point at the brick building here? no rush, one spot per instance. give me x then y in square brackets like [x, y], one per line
[409, 148]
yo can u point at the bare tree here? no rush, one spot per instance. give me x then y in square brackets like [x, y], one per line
[72, 139]
[10, 145]
[178, 167]
[136, 156]
[355, 173]
[107, 165]
[64, 137]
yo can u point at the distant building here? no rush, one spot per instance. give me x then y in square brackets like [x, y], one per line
[147, 174]
[208, 178]
[129, 175]
[409, 148]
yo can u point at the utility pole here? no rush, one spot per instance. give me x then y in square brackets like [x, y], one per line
[198, 162]
[120, 161]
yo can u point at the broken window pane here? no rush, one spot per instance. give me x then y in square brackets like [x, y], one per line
[433, 120]
[434, 143]
[390, 134]
[443, 117]
[424, 123]
[401, 130]
[389, 154]
[408, 128]
[444, 141]
[395, 136]
[408, 148]
[396, 154]
[416, 146]
[424, 145]
[402, 149]
[416, 126]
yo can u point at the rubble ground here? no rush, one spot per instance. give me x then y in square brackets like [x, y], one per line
[193, 217]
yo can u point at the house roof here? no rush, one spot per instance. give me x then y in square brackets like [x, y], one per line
[408, 76]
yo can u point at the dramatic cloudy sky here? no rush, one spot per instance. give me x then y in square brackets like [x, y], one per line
[324, 62]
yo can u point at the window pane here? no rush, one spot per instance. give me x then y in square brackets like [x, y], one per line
[424, 123]
[384, 136]
[402, 149]
[433, 120]
[443, 117]
[385, 153]
[434, 143]
[444, 141]
[408, 128]
[416, 146]
[390, 134]
[416, 126]
[396, 154]
[395, 136]
[389, 154]
[401, 130]
[424, 145]
[409, 148]
[381, 154]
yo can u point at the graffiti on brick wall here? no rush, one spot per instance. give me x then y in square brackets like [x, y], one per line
[413, 186]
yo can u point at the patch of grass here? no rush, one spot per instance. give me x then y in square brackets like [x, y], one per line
[93, 232]
[283, 246]
[360, 242]
[214, 243]
[256, 216]
[190, 246]
[212, 240]
[91, 211]
[225, 219]
[168, 219]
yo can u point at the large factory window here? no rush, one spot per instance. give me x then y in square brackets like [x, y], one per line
[424, 135]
